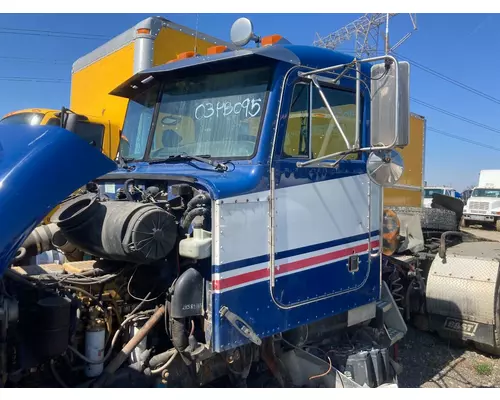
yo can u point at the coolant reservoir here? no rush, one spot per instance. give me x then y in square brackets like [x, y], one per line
[197, 247]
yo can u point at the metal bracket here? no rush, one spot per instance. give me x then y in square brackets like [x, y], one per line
[245, 329]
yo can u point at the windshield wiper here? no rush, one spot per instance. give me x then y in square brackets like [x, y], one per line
[201, 158]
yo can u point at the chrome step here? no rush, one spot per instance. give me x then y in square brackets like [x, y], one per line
[384, 305]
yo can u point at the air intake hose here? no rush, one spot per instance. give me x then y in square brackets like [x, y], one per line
[39, 240]
[46, 238]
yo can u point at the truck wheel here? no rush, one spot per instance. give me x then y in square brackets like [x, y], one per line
[497, 225]
[464, 223]
[433, 219]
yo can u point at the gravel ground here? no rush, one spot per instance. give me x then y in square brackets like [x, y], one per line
[432, 362]
[486, 232]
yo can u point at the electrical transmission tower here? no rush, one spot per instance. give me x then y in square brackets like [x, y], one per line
[366, 33]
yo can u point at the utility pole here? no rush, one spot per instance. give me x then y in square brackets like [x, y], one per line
[387, 48]
[366, 33]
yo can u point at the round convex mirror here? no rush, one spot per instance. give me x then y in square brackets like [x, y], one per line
[242, 32]
[385, 167]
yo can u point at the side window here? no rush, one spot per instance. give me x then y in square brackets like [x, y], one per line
[326, 137]
[297, 130]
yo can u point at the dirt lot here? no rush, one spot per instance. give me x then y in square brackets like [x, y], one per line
[432, 362]
[487, 233]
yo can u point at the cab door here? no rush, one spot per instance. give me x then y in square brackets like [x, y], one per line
[324, 221]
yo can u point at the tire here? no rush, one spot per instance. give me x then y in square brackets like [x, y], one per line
[464, 223]
[432, 219]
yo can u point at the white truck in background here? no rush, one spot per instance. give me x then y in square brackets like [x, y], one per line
[429, 191]
[483, 207]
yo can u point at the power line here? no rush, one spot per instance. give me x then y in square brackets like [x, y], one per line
[461, 138]
[32, 79]
[450, 80]
[39, 32]
[470, 121]
[35, 60]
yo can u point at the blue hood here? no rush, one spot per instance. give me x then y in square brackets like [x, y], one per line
[39, 167]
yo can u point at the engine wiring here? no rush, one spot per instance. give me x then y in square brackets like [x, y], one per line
[324, 373]
[325, 354]
[138, 298]
[166, 365]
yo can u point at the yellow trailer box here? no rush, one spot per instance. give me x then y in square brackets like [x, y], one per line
[153, 41]
[409, 191]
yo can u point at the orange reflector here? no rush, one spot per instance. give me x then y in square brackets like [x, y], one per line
[216, 50]
[143, 31]
[390, 232]
[186, 54]
[271, 39]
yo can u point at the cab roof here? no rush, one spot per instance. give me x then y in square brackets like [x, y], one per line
[300, 55]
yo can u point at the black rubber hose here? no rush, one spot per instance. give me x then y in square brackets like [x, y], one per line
[202, 199]
[125, 189]
[197, 212]
[179, 337]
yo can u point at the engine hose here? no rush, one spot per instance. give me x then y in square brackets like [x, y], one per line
[161, 358]
[179, 337]
[201, 199]
[166, 365]
[39, 240]
[21, 253]
[45, 238]
[191, 215]
[126, 191]
[71, 252]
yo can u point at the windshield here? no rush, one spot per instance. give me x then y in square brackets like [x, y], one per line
[217, 115]
[137, 124]
[486, 193]
[428, 193]
[29, 118]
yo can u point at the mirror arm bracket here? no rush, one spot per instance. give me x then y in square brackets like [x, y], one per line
[343, 155]
[325, 101]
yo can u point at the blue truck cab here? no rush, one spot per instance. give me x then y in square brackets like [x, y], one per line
[252, 179]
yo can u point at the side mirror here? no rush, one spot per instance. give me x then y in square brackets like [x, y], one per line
[390, 99]
[385, 167]
[242, 32]
[71, 120]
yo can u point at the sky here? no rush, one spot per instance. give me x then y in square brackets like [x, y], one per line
[459, 46]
